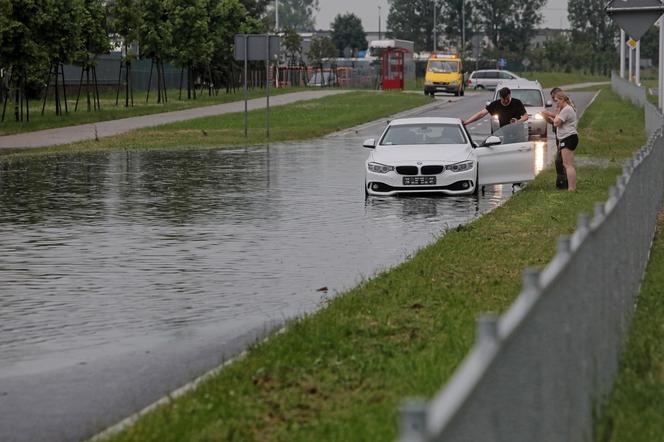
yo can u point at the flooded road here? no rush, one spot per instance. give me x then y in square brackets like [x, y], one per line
[125, 274]
[101, 248]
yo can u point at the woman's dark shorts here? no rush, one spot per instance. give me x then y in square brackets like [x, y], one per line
[570, 142]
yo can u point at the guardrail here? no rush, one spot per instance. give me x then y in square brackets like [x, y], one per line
[638, 96]
[541, 370]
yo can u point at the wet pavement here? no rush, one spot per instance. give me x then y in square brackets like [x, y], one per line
[126, 274]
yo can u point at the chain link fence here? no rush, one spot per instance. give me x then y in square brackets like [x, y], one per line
[540, 371]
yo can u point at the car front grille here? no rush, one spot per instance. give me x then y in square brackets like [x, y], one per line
[407, 170]
[432, 170]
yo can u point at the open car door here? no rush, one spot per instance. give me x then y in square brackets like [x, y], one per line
[511, 161]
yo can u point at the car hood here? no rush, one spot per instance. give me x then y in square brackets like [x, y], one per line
[409, 154]
[533, 110]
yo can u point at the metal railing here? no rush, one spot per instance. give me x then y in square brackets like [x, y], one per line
[541, 370]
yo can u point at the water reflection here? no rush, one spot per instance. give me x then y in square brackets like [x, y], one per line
[102, 248]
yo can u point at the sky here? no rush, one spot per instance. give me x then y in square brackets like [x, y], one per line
[555, 13]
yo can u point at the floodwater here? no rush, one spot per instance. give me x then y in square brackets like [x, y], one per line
[98, 249]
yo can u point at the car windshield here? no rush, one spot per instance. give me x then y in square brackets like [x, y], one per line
[443, 66]
[423, 134]
[529, 97]
[513, 133]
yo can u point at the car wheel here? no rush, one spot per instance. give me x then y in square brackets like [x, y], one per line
[480, 87]
[456, 93]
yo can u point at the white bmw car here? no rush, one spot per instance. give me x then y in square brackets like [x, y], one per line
[425, 155]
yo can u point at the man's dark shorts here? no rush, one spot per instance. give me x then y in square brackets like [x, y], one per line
[570, 142]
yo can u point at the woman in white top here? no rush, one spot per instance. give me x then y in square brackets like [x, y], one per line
[565, 123]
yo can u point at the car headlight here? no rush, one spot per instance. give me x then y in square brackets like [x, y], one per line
[539, 117]
[380, 168]
[454, 83]
[460, 167]
[428, 82]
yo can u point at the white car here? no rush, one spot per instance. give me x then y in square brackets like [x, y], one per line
[489, 78]
[437, 155]
[531, 95]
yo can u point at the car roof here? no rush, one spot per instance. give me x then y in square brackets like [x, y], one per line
[425, 120]
[520, 83]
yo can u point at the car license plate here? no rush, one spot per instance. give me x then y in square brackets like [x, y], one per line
[418, 180]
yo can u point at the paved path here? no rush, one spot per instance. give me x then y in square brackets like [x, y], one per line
[72, 134]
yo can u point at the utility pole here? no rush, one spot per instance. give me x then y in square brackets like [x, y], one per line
[435, 38]
[379, 22]
[276, 15]
[463, 29]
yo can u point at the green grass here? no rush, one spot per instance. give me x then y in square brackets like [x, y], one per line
[552, 79]
[635, 410]
[341, 373]
[300, 120]
[109, 111]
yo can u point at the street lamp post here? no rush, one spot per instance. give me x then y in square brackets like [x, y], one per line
[435, 38]
[379, 22]
[463, 28]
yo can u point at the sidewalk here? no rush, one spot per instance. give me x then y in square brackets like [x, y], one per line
[72, 134]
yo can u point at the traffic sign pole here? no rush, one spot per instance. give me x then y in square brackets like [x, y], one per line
[622, 54]
[637, 65]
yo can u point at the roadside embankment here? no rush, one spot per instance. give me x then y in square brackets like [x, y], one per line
[340, 374]
[296, 121]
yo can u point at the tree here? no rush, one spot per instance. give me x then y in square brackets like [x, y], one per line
[412, 20]
[61, 36]
[95, 40]
[155, 40]
[292, 44]
[296, 14]
[192, 48]
[20, 51]
[590, 24]
[125, 22]
[227, 18]
[509, 24]
[592, 28]
[450, 17]
[255, 8]
[347, 32]
[320, 49]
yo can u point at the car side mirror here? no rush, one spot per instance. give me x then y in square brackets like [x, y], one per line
[491, 141]
[475, 145]
[370, 143]
[549, 103]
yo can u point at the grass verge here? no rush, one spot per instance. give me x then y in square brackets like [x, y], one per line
[552, 79]
[340, 373]
[634, 410]
[300, 120]
[109, 111]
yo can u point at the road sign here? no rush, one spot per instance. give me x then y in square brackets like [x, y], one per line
[632, 43]
[635, 16]
[256, 46]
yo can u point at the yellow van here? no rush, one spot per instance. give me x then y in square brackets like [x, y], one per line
[444, 74]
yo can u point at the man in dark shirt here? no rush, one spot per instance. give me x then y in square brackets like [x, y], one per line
[508, 109]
